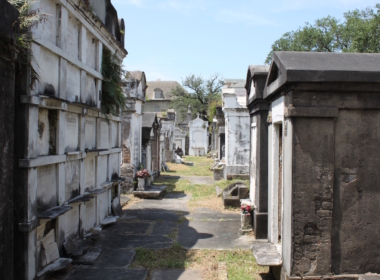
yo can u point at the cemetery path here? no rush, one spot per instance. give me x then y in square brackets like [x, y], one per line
[167, 239]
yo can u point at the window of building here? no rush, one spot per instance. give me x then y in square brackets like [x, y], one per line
[158, 93]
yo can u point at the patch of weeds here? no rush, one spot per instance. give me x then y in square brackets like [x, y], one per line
[181, 219]
[173, 235]
[240, 263]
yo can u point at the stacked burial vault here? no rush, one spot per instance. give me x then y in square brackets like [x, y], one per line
[321, 132]
[68, 153]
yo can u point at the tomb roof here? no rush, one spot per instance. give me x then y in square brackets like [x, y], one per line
[254, 70]
[148, 119]
[309, 67]
[165, 86]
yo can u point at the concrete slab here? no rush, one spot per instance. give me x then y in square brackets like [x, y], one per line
[128, 228]
[58, 264]
[212, 235]
[109, 220]
[266, 254]
[156, 214]
[124, 200]
[200, 180]
[150, 192]
[102, 274]
[89, 258]
[115, 258]
[118, 241]
[164, 228]
[176, 274]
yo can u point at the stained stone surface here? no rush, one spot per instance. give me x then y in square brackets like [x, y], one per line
[102, 274]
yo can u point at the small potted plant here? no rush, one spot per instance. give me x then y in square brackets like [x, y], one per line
[141, 175]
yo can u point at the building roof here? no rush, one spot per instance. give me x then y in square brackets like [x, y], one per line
[321, 67]
[165, 86]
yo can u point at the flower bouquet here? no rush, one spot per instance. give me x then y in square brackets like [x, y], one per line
[246, 209]
[143, 173]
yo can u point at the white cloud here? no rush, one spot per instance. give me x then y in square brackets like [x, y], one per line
[230, 16]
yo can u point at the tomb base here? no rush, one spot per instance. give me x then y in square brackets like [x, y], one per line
[150, 192]
[260, 225]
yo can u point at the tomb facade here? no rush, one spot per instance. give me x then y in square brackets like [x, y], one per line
[68, 152]
[198, 142]
[322, 153]
[237, 132]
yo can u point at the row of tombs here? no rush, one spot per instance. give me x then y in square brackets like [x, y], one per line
[314, 153]
[71, 168]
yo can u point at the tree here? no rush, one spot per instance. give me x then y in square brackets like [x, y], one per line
[358, 33]
[201, 93]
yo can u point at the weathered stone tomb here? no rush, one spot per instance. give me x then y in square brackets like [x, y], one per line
[68, 152]
[323, 153]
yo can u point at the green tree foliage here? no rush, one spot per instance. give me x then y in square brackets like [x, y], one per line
[113, 98]
[201, 94]
[358, 33]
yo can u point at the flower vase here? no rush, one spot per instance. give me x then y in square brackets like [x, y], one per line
[141, 184]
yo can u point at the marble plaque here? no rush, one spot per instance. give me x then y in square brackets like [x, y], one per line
[72, 37]
[91, 50]
[89, 175]
[89, 215]
[104, 135]
[49, 72]
[43, 132]
[90, 133]
[114, 134]
[72, 179]
[72, 221]
[114, 165]
[46, 187]
[102, 206]
[71, 132]
[102, 169]
[73, 83]
[48, 29]
[90, 91]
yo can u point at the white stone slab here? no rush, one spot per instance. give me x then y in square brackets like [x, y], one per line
[43, 132]
[102, 206]
[49, 73]
[90, 91]
[89, 172]
[73, 83]
[114, 134]
[113, 165]
[71, 132]
[47, 187]
[72, 36]
[102, 134]
[72, 222]
[48, 29]
[72, 179]
[89, 217]
[91, 50]
[102, 168]
[90, 133]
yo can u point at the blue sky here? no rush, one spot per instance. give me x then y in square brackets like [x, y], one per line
[171, 39]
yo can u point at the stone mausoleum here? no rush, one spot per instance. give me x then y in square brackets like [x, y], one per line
[67, 151]
[198, 142]
[236, 116]
[323, 154]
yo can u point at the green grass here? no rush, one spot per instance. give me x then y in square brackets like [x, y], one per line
[240, 263]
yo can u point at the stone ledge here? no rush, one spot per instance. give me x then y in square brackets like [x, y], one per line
[40, 161]
[150, 192]
[266, 254]
[311, 112]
